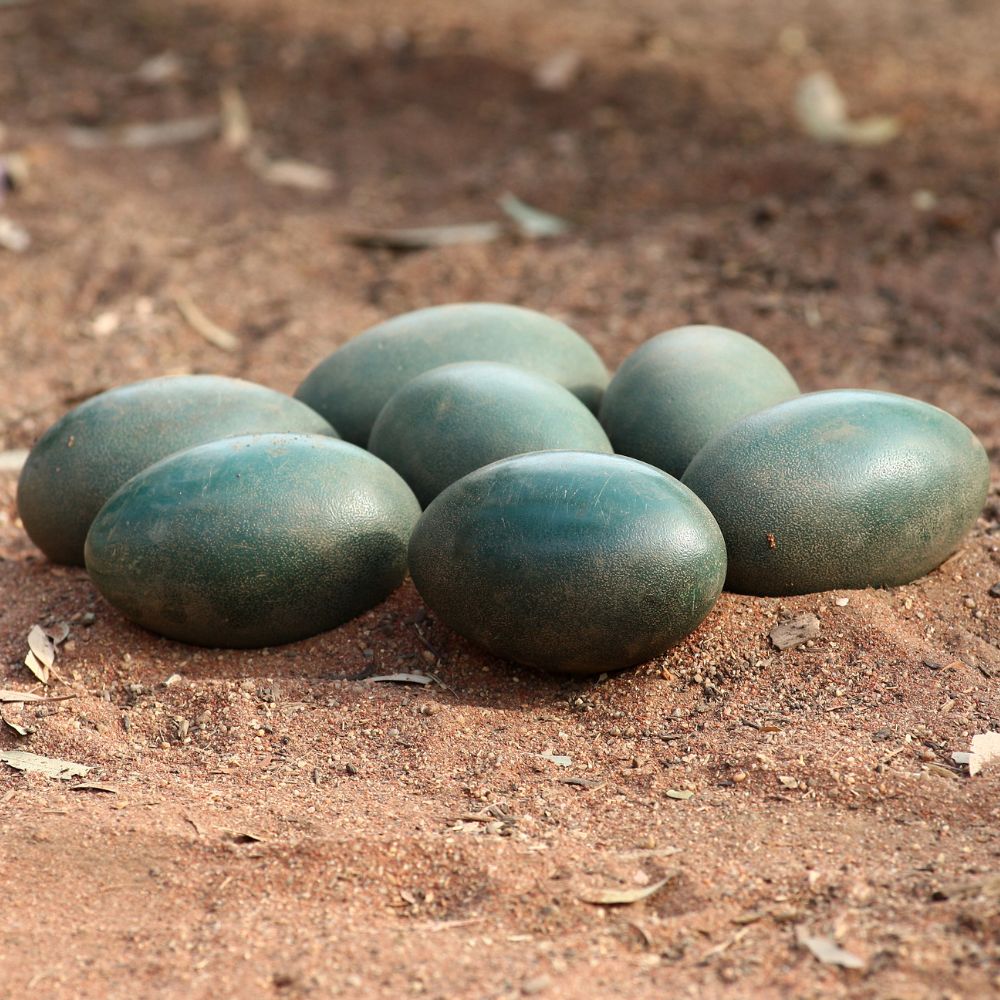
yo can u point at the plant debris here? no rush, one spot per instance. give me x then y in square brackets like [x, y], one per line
[821, 110]
[234, 116]
[202, 325]
[532, 223]
[11, 697]
[161, 69]
[794, 632]
[401, 679]
[826, 950]
[559, 71]
[146, 135]
[291, 173]
[51, 767]
[681, 794]
[623, 897]
[425, 237]
[89, 786]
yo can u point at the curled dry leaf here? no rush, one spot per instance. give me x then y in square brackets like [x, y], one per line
[623, 897]
[401, 679]
[87, 786]
[821, 110]
[41, 645]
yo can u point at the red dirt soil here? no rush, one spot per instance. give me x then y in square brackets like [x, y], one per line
[277, 831]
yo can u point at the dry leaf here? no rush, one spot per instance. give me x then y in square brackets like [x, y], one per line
[821, 110]
[146, 135]
[235, 118]
[203, 326]
[673, 793]
[160, 69]
[401, 679]
[795, 631]
[90, 787]
[38, 668]
[21, 760]
[532, 223]
[581, 782]
[12, 697]
[41, 645]
[827, 951]
[58, 633]
[291, 173]
[558, 71]
[622, 897]
[424, 237]
[15, 727]
[560, 759]
[13, 461]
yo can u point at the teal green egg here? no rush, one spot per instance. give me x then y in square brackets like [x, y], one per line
[455, 419]
[253, 541]
[841, 489]
[571, 562]
[97, 447]
[351, 386]
[678, 390]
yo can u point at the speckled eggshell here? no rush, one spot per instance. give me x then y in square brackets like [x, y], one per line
[452, 420]
[253, 541]
[97, 447]
[571, 562]
[351, 386]
[680, 389]
[840, 489]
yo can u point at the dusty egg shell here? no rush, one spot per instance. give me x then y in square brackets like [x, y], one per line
[253, 541]
[455, 419]
[95, 448]
[680, 389]
[351, 386]
[567, 561]
[840, 489]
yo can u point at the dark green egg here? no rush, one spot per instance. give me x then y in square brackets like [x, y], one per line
[253, 541]
[567, 561]
[353, 384]
[453, 420]
[840, 489]
[86, 455]
[683, 387]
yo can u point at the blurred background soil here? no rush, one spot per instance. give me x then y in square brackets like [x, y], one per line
[272, 830]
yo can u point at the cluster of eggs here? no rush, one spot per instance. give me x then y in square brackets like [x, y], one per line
[553, 517]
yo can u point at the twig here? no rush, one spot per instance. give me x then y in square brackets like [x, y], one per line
[202, 325]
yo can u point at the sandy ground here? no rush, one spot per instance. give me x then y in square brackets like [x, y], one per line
[275, 830]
